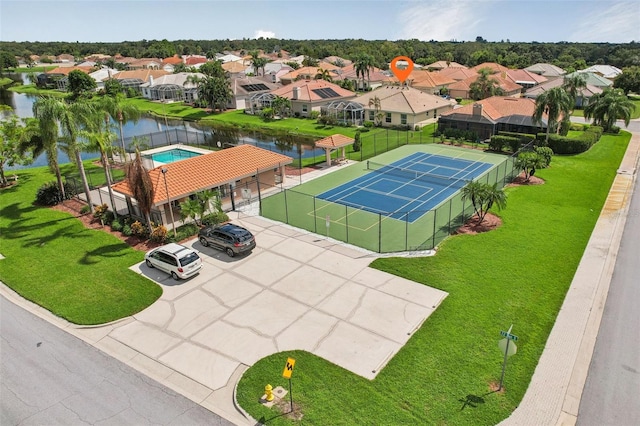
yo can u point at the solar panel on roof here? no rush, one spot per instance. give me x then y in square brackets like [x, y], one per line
[254, 87]
[325, 93]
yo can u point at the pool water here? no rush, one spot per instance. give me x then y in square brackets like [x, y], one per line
[173, 155]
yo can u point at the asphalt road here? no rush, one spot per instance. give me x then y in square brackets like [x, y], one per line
[612, 391]
[50, 377]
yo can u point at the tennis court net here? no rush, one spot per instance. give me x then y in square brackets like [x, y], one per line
[409, 173]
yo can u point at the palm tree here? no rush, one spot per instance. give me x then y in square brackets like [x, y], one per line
[573, 84]
[119, 110]
[377, 106]
[15, 141]
[48, 110]
[485, 86]
[607, 107]
[141, 186]
[324, 75]
[556, 103]
[483, 196]
[101, 140]
[528, 162]
[363, 65]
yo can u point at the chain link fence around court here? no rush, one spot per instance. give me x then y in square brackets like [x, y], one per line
[380, 232]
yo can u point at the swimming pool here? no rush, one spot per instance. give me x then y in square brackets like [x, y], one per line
[173, 155]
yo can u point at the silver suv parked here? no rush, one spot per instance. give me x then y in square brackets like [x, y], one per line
[233, 239]
[175, 259]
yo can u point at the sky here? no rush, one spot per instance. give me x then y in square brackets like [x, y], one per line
[613, 21]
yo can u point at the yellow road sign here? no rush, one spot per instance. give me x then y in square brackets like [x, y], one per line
[288, 368]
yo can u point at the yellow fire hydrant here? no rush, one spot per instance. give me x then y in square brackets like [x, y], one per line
[268, 390]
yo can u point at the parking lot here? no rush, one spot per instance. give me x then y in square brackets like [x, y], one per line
[295, 290]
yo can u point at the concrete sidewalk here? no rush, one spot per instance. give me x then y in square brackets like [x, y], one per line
[553, 396]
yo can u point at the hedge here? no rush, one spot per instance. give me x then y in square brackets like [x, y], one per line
[570, 145]
[498, 142]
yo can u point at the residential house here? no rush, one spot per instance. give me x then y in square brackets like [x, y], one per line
[102, 75]
[97, 57]
[607, 71]
[235, 68]
[194, 61]
[243, 88]
[272, 70]
[337, 61]
[524, 78]
[489, 116]
[440, 65]
[582, 99]
[494, 67]
[65, 58]
[306, 73]
[171, 87]
[227, 57]
[376, 77]
[462, 89]
[225, 171]
[145, 64]
[457, 74]
[312, 95]
[546, 70]
[89, 64]
[593, 79]
[57, 77]
[427, 81]
[133, 79]
[168, 64]
[402, 106]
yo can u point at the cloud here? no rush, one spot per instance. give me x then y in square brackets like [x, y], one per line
[442, 20]
[610, 22]
[264, 34]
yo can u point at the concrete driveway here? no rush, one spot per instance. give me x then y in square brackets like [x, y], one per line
[296, 290]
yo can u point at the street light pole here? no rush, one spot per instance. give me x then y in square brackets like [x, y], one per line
[166, 187]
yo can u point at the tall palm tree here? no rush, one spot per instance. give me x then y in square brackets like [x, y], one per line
[119, 110]
[324, 75]
[100, 139]
[485, 86]
[556, 103]
[573, 84]
[141, 186]
[363, 65]
[72, 118]
[377, 106]
[48, 111]
[607, 107]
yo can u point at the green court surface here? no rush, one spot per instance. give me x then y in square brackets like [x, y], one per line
[381, 233]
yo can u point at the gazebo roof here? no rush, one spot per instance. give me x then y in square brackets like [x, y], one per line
[335, 141]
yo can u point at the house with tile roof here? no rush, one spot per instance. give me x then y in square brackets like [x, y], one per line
[312, 95]
[607, 71]
[376, 77]
[440, 65]
[524, 78]
[171, 87]
[243, 88]
[194, 60]
[427, 81]
[462, 89]
[593, 79]
[305, 73]
[582, 100]
[133, 79]
[493, 66]
[145, 64]
[235, 68]
[337, 61]
[546, 70]
[492, 115]
[402, 106]
[273, 71]
[57, 77]
[457, 74]
[226, 171]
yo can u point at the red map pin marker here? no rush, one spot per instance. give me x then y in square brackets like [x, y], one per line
[400, 73]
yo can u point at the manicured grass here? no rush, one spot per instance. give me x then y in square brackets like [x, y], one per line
[634, 114]
[517, 274]
[33, 69]
[32, 89]
[5, 81]
[53, 260]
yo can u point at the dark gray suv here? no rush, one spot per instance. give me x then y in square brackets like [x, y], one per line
[233, 239]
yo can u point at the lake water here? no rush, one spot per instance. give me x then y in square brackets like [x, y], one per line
[151, 127]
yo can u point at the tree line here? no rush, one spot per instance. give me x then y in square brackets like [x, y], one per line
[570, 56]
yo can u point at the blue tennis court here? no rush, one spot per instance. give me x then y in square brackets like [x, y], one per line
[407, 188]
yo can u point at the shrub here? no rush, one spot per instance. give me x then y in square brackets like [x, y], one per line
[571, 145]
[614, 130]
[126, 230]
[368, 124]
[108, 217]
[215, 218]
[577, 127]
[116, 225]
[85, 210]
[49, 194]
[514, 144]
[184, 232]
[564, 127]
[498, 142]
[545, 154]
[364, 129]
[314, 115]
[597, 130]
[327, 120]
[99, 210]
[459, 100]
[138, 229]
[159, 234]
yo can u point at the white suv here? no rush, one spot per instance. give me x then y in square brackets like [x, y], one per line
[175, 259]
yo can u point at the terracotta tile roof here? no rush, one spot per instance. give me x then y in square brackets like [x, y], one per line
[494, 67]
[174, 60]
[308, 72]
[334, 141]
[546, 70]
[348, 72]
[497, 107]
[506, 85]
[193, 60]
[524, 76]
[141, 74]
[306, 90]
[209, 171]
[67, 70]
[457, 74]
[425, 79]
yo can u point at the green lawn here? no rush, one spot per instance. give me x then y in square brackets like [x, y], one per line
[634, 114]
[517, 274]
[33, 69]
[32, 89]
[53, 260]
